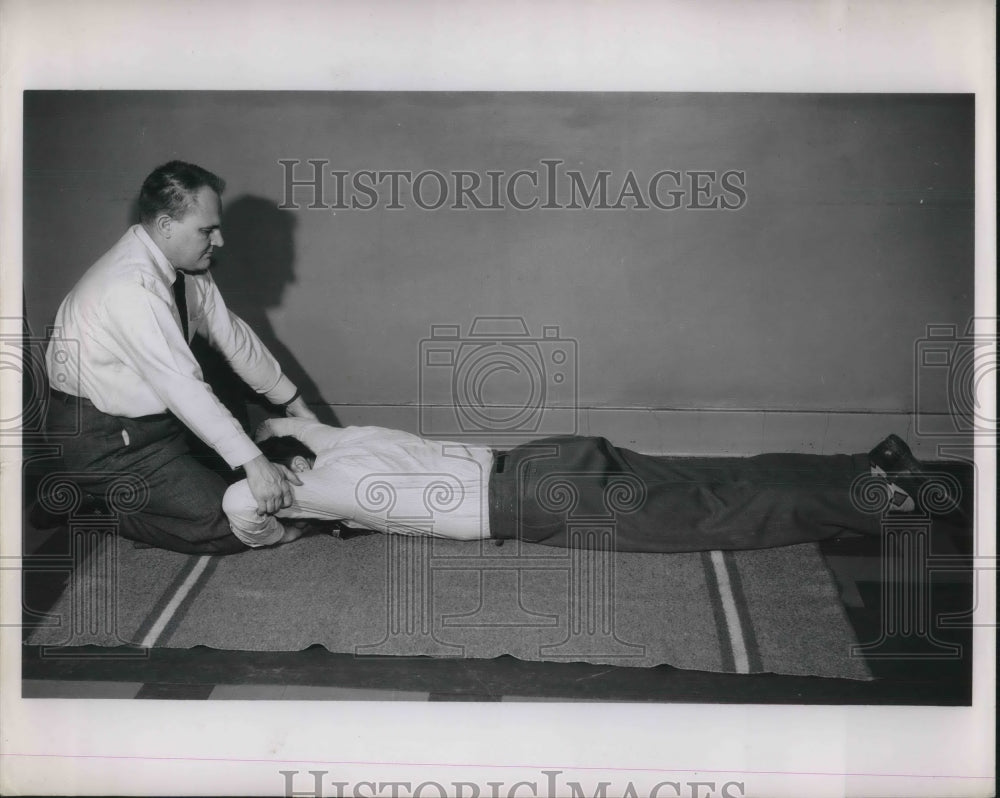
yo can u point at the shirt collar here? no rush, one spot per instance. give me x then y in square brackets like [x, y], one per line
[166, 268]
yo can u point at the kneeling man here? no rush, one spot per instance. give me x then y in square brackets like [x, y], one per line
[541, 492]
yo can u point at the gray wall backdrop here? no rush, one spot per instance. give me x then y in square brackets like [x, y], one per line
[800, 310]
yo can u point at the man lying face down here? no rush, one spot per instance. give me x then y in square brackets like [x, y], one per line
[553, 490]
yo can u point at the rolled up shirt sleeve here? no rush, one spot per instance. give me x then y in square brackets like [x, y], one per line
[145, 328]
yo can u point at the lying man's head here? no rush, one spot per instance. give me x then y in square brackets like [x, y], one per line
[288, 451]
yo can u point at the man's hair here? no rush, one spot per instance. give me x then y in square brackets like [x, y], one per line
[170, 189]
[283, 449]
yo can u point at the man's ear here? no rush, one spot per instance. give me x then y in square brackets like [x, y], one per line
[300, 464]
[163, 224]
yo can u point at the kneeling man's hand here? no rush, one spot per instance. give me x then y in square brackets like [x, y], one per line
[269, 484]
[299, 409]
[263, 432]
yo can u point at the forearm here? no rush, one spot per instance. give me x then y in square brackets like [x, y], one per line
[201, 412]
[244, 350]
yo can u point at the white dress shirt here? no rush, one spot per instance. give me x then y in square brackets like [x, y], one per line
[375, 478]
[118, 342]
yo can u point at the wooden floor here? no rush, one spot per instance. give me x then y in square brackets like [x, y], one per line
[911, 667]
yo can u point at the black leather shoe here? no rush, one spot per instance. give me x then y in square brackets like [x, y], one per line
[41, 519]
[895, 458]
[902, 469]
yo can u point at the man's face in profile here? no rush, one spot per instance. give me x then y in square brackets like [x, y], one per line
[195, 235]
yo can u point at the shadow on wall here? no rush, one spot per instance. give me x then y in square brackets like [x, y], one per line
[252, 270]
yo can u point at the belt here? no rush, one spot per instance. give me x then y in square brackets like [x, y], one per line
[66, 398]
[501, 499]
[80, 401]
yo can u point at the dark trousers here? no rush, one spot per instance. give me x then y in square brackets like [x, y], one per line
[557, 491]
[183, 508]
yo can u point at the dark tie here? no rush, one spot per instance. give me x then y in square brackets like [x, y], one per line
[182, 305]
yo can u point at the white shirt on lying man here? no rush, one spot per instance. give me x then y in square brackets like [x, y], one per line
[374, 478]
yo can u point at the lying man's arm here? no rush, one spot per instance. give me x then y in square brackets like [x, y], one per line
[313, 434]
